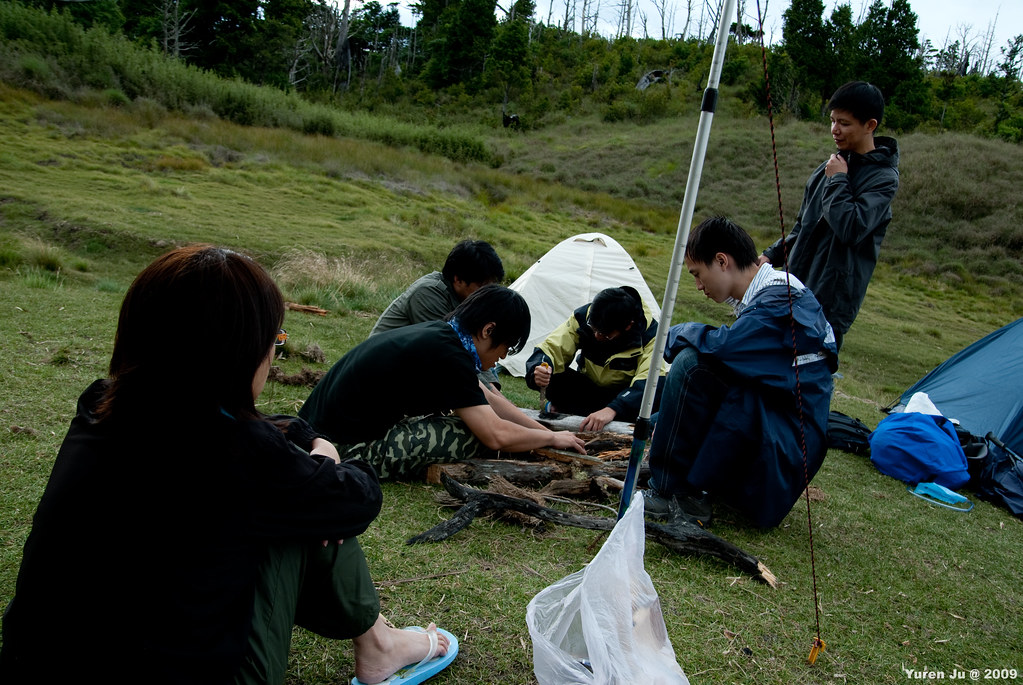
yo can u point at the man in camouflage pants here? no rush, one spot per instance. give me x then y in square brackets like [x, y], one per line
[409, 397]
[414, 443]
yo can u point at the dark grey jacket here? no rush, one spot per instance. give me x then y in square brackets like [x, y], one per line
[834, 244]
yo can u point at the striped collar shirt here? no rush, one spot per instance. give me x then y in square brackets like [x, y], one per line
[766, 276]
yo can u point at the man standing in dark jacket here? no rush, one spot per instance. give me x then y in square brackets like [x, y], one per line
[834, 245]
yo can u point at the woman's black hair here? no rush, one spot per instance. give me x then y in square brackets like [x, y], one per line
[500, 306]
[194, 327]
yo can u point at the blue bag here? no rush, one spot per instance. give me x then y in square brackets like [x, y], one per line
[919, 448]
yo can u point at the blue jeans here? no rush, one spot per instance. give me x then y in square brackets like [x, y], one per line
[693, 391]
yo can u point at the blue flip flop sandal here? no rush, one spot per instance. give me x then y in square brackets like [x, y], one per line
[428, 667]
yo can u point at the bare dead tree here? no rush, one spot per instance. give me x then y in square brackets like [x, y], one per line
[590, 20]
[299, 69]
[689, 19]
[625, 18]
[317, 51]
[964, 34]
[663, 11]
[985, 60]
[416, 13]
[740, 26]
[321, 43]
[757, 20]
[672, 11]
[342, 54]
[322, 34]
[174, 26]
[569, 16]
[710, 14]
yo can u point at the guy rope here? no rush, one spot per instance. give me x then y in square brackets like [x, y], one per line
[642, 430]
[818, 643]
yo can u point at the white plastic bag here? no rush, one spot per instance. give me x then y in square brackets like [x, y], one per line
[603, 623]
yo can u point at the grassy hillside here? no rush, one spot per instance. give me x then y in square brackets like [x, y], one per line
[89, 195]
[958, 221]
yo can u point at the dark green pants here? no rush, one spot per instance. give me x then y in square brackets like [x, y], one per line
[327, 590]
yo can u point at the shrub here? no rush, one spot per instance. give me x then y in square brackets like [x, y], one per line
[116, 98]
[45, 257]
[148, 112]
[9, 257]
[319, 122]
[654, 103]
[1011, 129]
[78, 58]
[36, 277]
[620, 110]
[35, 68]
[735, 71]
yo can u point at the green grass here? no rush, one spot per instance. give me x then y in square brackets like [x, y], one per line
[89, 196]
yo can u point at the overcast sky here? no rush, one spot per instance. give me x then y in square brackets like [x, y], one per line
[936, 19]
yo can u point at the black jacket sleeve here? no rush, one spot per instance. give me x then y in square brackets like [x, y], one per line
[627, 403]
[302, 495]
[535, 360]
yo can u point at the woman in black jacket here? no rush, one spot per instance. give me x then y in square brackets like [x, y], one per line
[182, 533]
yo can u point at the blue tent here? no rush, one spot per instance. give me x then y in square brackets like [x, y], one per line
[982, 386]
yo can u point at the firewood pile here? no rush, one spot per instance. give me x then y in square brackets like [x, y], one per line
[599, 472]
[519, 486]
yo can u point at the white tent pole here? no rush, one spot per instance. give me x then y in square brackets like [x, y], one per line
[710, 99]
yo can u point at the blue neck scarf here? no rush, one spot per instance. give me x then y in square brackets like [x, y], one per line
[467, 343]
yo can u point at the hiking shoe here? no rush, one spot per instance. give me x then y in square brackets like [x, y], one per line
[695, 508]
[692, 508]
[656, 505]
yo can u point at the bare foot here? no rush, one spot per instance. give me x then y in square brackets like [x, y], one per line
[382, 650]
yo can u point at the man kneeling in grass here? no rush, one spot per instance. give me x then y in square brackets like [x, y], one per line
[410, 397]
[742, 401]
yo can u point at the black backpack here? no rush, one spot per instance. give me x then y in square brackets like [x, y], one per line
[848, 434]
[998, 476]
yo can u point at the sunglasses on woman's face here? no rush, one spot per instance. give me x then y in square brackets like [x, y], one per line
[282, 337]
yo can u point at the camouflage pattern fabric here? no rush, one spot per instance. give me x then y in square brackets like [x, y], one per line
[415, 443]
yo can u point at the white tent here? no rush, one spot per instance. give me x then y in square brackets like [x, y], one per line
[567, 277]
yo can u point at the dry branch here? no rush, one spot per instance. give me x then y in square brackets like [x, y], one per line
[678, 535]
[388, 583]
[569, 477]
[307, 308]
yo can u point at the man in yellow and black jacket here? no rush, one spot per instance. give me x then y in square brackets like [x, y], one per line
[611, 341]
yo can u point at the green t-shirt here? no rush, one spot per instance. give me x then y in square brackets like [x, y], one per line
[428, 299]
